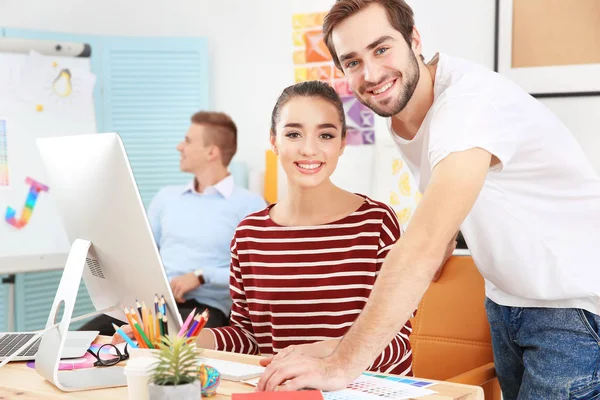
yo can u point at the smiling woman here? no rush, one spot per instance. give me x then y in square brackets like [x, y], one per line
[303, 268]
[308, 132]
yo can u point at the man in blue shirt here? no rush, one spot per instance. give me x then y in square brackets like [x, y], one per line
[193, 224]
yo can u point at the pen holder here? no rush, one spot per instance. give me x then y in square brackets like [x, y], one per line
[143, 352]
[139, 352]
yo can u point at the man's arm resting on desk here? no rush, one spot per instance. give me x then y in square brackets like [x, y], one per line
[182, 284]
[405, 275]
[185, 283]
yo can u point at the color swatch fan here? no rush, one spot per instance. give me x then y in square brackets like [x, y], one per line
[380, 387]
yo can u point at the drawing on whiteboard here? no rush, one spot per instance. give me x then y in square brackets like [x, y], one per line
[33, 110]
[35, 188]
[67, 86]
[62, 84]
[50, 83]
[4, 176]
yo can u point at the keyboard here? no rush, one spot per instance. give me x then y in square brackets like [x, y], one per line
[76, 344]
[10, 342]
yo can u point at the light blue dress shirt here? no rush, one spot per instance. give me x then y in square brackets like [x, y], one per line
[194, 230]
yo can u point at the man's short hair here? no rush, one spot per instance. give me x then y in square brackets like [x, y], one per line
[400, 15]
[223, 133]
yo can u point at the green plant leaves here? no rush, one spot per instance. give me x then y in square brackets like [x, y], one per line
[176, 362]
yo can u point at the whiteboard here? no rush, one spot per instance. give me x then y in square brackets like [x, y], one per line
[40, 96]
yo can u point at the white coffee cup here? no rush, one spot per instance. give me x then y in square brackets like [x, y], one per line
[138, 371]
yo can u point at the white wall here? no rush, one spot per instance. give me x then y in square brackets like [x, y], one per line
[582, 116]
[251, 51]
[250, 45]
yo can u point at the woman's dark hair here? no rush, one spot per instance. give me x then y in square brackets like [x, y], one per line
[309, 89]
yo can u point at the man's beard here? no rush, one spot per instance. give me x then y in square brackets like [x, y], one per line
[391, 106]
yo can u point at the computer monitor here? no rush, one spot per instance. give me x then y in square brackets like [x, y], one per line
[92, 184]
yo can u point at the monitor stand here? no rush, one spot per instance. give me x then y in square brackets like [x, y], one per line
[53, 341]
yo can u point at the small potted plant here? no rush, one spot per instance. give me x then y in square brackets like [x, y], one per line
[175, 375]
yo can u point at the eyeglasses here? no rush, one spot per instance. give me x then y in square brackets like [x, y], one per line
[108, 354]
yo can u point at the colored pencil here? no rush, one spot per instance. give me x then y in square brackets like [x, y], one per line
[202, 323]
[157, 330]
[187, 322]
[137, 319]
[139, 307]
[124, 336]
[194, 325]
[163, 303]
[155, 304]
[146, 322]
[166, 325]
[205, 317]
[141, 332]
[151, 327]
[161, 327]
[130, 319]
[135, 316]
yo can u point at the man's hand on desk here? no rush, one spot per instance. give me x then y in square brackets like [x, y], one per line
[182, 284]
[299, 371]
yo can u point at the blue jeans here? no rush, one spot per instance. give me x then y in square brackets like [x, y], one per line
[545, 353]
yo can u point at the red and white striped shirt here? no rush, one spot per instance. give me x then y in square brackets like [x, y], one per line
[299, 285]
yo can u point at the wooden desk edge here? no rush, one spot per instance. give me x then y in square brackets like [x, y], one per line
[48, 392]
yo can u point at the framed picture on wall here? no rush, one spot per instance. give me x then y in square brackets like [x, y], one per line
[551, 48]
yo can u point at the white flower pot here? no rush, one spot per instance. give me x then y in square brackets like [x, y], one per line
[189, 391]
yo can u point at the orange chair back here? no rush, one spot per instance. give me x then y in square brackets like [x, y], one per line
[451, 333]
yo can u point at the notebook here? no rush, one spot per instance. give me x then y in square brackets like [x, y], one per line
[233, 371]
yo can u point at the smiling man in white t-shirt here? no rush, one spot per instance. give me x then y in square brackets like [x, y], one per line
[494, 162]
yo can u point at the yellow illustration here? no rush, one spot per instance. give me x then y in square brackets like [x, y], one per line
[418, 197]
[404, 184]
[404, 193]
[394, 199]
[404, 215]
[397, 166]
[62, 84]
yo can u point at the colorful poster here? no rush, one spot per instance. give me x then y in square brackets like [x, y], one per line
[4, 171]
[313, 61]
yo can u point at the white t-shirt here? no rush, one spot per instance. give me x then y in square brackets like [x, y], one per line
[534, 231]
